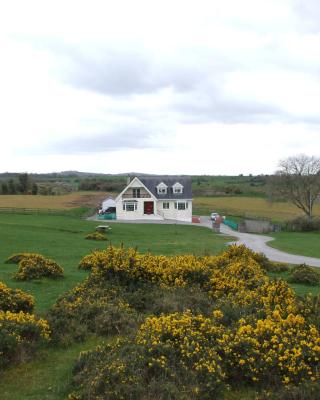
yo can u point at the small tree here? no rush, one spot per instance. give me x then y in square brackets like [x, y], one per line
[25, 182]
[298, 181]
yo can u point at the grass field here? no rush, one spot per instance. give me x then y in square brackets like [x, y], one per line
[62, 239]
[302, 243]
[247, 207]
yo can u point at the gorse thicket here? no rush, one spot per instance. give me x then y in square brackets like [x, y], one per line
[190, 326]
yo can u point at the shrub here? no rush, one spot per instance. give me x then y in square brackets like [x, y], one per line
[305, 274]
[16, 258]
[36, 267]
[19, 335]
[305, 391]
[170, 358]
[273, 350]
[96, 236]
[303, 224]
[15, 300]
[91, 307]
[278, 267]
[131, 267]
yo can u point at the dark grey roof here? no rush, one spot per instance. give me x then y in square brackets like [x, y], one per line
[151, 183]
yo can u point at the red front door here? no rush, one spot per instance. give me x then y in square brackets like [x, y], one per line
[148, 207]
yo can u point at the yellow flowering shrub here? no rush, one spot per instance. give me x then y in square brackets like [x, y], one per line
[252, 329]
[130, 266]
[19, 334]
[15, 300]
[178, 343]
[274, 349]
[96, 236]
[36, 266]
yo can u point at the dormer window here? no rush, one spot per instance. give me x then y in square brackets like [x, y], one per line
[177, 188]
[162, 188]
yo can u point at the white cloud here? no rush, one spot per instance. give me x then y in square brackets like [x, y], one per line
[176, 87]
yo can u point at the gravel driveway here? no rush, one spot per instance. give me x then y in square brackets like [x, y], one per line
[259, 243]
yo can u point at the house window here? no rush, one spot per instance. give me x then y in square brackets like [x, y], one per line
[129, 206]
[177, 188]
[162, 188]
[181, 205]
[166, 206]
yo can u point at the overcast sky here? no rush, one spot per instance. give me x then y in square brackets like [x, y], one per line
[191, 87]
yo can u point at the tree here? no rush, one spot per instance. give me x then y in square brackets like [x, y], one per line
[25, 182]
[298, 181]
[12, 187]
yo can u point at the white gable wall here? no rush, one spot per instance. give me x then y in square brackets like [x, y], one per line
[173, 213]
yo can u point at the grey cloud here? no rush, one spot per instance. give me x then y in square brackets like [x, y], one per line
[132, 136]
[122, 70]
[196, 76]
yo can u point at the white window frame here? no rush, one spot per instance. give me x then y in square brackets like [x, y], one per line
[181, 205]
[166, 205]
[162, 188]
[177, 188]
[129, 203]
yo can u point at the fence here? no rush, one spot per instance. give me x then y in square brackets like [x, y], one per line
[19, 210]
[233, 225]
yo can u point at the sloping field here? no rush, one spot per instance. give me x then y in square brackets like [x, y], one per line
[247, 207]
[67, 201]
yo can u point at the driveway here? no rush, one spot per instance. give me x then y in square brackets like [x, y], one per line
[259, 243]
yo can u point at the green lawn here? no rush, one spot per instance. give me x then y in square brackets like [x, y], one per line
[45, 378]
[302, 243]
[63, 239]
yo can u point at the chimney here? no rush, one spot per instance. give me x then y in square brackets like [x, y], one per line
[128, 179]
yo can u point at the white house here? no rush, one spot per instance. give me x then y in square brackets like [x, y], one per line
[156, 197]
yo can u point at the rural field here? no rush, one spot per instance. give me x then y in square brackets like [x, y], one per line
[48, 375]
[251, 207]
[60, 202]
[62, 238]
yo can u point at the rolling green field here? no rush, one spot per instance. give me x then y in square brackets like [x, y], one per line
[302, 243]
[62, 238]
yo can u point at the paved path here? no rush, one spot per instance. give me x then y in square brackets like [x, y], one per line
[259, 243]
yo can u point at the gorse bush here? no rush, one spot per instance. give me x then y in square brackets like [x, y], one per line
[208, 322]
[96, 236]
[35, 266]
[16, 258]
[20, 333]
[304, 274]
[15, 300]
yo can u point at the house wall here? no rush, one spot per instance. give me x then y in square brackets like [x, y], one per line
[173, 213]
[138, 213]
